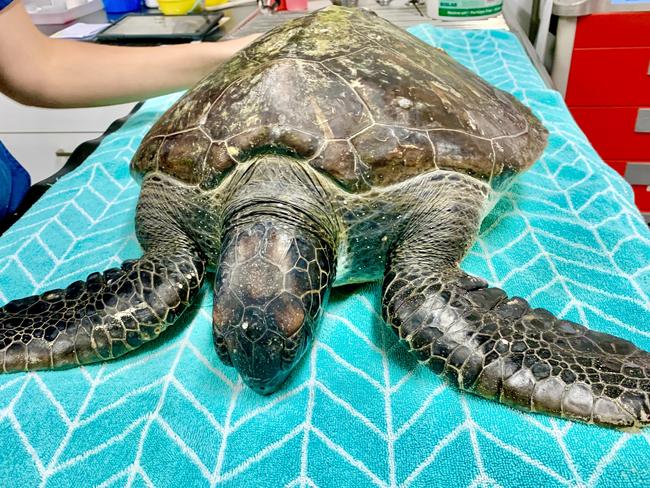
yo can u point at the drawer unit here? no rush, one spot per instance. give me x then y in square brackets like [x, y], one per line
[618, 166]
[42, 139]
[642, 198]
[21, 118]
[608, 93]
[617, 133]
[613, 30]
[610, 77]
[43, 154]
[637, 174]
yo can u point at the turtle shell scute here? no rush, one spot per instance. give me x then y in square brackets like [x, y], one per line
[182, 155]
[339, 160]
[460, 151]
[271, 138]
[219, 161]
[290, 94]
[146, 157]
[394, 153]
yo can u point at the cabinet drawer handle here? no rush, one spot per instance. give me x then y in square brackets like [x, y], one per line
[642, 120]
[638, 173]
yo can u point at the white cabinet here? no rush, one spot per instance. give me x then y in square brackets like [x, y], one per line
[42, 139]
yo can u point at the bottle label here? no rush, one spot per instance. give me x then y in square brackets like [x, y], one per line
[469, 8]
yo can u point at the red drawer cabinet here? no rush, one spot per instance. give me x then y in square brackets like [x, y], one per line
[613, 30]
[642, 196]
[619, 166]
[608, 93]
[610, 76]
[611, 130]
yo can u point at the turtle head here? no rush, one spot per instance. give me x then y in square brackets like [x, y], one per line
[274, 271]
[270, 286]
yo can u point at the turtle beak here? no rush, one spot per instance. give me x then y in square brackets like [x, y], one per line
[260, 353]
[263, 358]
[252, 339]
[266, 386]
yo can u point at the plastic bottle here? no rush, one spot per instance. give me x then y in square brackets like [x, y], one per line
[463, 9]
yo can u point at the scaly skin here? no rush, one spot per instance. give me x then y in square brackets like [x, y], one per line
[269, 292]
[274, 272]
[110, 314]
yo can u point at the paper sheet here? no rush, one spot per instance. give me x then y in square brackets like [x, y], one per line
[79, 31]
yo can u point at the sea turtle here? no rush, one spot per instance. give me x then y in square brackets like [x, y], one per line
[336, 149]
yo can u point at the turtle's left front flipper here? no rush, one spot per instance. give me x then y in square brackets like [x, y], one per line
[103, 317]
[498, 347]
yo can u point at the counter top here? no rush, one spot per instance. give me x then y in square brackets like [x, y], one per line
[246, 19]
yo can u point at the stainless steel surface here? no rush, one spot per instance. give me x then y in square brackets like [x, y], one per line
[564, 40]
[516, 29]
[233, 4]
[577, 8]
[642, 121]
[236, 13]
[638, 173]
[346, 3]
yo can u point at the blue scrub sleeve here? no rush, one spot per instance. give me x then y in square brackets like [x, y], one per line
[14, 182]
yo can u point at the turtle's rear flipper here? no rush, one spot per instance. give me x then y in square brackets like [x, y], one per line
[501, 349]
[102, 318]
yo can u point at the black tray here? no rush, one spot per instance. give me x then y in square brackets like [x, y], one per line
[160, 29]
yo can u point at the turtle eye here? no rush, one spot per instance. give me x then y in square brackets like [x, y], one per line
[221, 348]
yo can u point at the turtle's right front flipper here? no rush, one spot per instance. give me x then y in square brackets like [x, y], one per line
[103, 317]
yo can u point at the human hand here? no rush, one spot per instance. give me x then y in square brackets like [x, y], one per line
[235, 45]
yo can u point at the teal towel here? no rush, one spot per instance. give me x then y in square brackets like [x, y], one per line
[359, 411]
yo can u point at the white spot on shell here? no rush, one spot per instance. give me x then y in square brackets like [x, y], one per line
[404, 103]
[244, 325]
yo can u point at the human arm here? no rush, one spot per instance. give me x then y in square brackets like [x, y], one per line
[37, 70]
